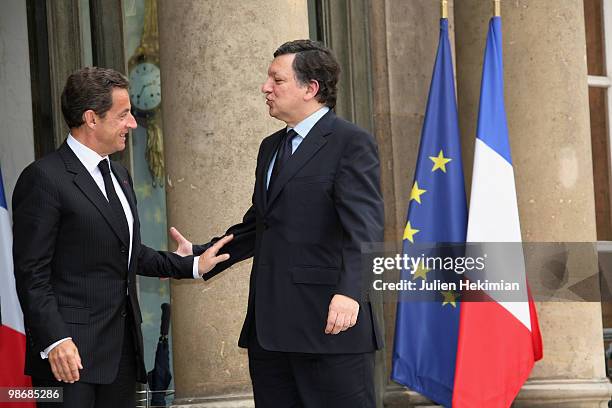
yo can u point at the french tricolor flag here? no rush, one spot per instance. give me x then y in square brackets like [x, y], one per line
[499, 341]
[12, 333]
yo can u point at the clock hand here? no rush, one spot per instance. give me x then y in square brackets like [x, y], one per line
[142, 89]
[145, 86]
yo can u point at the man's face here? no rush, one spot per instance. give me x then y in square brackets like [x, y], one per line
[111, 130]
[284, 95]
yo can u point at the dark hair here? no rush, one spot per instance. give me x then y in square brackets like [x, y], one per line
[90, 88]
[314, 61]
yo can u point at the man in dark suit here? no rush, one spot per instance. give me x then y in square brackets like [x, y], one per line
[310, 335]
[77, 250]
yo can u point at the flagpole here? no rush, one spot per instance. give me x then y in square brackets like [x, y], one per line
[497, 8]
[444, 8]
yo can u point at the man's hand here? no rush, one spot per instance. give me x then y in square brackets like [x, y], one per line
[342, 314]
[184, 247]
[209, 258]
[66, 362]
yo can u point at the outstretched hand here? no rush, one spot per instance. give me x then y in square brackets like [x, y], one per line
[184, 247]
[209, 259]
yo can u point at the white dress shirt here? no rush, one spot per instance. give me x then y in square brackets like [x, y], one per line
[302, 129]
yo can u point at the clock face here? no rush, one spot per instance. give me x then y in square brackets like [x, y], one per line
[145, 86]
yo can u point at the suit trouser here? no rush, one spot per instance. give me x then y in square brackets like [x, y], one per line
[302, 380]
[121, 393]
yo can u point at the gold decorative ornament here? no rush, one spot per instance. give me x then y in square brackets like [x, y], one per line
[444, 8]
[497, 8]
[145, 91]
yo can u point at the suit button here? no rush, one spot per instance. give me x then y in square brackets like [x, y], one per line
[123, 250]
[123, 314]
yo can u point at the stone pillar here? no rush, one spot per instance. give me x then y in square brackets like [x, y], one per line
[548, 115]
[214, 58]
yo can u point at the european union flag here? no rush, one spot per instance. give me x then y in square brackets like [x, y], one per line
[426, 331]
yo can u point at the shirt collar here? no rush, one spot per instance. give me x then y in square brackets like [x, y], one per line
[88, 157]
[306, 125]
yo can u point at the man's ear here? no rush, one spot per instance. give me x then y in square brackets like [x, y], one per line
[90, 118]
[312, 90]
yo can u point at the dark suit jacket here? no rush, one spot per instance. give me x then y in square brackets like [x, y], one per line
[306, 240]
[71, 266]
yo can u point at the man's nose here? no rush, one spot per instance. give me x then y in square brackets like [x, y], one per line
[132, 122]
[265, 87]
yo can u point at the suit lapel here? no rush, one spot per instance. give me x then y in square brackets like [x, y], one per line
[122, 178]
[314, 141]
[88, 186]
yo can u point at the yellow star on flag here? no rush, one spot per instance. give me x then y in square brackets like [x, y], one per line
[449, 298]
[416, 192]
[421, 272]
[439, 161]
[409, 232]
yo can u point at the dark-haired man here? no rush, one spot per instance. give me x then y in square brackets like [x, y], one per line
[310, 336]
[77, 250]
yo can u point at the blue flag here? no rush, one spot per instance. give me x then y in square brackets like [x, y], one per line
[426, 332]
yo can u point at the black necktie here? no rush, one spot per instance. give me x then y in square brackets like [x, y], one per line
[284, 152]
[113, 200]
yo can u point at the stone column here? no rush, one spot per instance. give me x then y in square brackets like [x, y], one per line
[214, 58]
[548, 115]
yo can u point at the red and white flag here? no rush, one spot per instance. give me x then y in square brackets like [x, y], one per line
[499, 340]
[12, 333]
